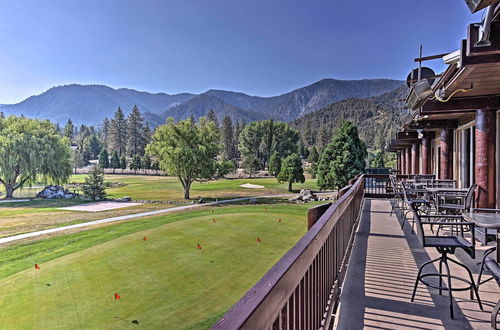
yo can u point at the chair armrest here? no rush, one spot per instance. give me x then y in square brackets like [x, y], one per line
[441, 216]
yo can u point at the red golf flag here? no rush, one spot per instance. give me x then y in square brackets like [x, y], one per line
[144, 238]
[37, 267]
[199, 246]
[215, 221]
[117, 296]
[258, 240]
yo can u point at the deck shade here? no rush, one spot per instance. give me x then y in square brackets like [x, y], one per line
[485, 158]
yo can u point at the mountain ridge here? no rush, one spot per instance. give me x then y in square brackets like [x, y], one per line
[89, 104]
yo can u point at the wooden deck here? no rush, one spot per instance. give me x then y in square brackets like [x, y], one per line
[381, 275]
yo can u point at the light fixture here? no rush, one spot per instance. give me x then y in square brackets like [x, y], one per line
[420, 134]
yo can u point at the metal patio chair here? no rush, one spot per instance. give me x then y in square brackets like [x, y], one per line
[445, 245]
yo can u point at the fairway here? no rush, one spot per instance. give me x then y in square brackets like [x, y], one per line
[164, 282]
[144, 187]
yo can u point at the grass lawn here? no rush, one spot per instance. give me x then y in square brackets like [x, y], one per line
[164, 282]
[23, 217]
[143, 187]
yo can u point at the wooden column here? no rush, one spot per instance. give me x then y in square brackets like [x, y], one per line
[446, 155]
[408, 161]
[414, 159]
[402, 156]
[398, 163]
[485, 158]
[426, 155]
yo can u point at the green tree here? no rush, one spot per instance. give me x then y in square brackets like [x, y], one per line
[118, 132]
[275, 164]
[78, 159]
[136, 133]
[378, 161]
[94, 186]
[146, 163]
[104, 158]
[262, 138]
[123, 162]
[115, 161]
[155, 166]
[188, 150]
[228, 145]
[251, 165]
[92, 146]
[211, 116]
[104, 133]
[135, 163]
[313, 155]
[291, 171]
[69, 130]
[342, 159]
[32, 150]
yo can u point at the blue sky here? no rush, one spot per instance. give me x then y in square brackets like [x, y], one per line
[260, 47]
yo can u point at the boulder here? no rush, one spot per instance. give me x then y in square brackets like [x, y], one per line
[305, 195]
[124, 199]
[55, 192]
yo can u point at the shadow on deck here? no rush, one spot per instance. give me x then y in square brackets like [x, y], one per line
[381, 275]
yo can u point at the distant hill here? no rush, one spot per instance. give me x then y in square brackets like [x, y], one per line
[377, 118]
[90, 104]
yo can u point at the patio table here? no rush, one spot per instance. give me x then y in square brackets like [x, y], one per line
[488, 221]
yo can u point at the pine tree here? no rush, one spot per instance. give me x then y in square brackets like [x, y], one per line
[251, 165]
[146, 163]
[94, 186]
[313, 155]
[123, 162]
[291, 171]
[275, 164]
[342, 159]
[136, 135]
[378, 161]
[69, 130]
[118, 132]
[104, 159]
[227, 134]
[115, 161]
[135, 163]
[211, 116]
[106, 128]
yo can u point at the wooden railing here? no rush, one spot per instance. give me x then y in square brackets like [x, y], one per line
[302, 289]
[379, 185]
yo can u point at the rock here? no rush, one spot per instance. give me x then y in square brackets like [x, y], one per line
[124, 199]
[305, 195]
[55, 192]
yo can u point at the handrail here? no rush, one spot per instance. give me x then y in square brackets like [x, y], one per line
[302, 288]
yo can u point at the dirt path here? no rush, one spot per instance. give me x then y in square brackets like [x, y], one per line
[128, 217]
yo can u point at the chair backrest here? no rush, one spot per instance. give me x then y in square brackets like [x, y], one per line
[418, 223]
[469, 197]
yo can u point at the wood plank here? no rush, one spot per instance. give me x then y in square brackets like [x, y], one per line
[462, 104]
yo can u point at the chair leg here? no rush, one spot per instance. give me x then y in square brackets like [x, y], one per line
[440, 278]
[473, 285]
[420, 273]
[494, 315]
[487, 253]
[450, 295]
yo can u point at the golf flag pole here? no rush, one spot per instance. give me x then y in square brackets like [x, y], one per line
[37, 268]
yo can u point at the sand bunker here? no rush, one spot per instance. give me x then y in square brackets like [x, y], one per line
[252, 186]
[98, 206]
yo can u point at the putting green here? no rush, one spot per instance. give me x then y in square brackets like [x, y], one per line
[164, 282]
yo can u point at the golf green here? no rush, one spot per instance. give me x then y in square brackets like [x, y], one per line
[164, 282]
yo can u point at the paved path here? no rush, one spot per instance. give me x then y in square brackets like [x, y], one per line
[128, 217]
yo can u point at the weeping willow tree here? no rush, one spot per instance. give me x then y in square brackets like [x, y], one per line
[32, 151]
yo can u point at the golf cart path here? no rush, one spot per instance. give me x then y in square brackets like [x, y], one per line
[128, 217]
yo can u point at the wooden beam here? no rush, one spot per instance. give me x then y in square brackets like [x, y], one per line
[433, 124]
[428, 58]
[462, 104]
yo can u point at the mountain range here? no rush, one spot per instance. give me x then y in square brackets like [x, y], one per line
[90, 104]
